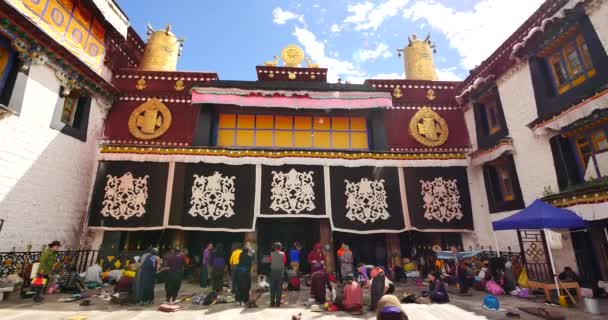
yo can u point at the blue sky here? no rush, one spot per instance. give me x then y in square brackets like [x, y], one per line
[355, 40]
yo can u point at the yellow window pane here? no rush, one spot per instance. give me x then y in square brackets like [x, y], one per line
[322, 139]
[358, 124]
[322, 123]
[263, 138]
[264, 122]
[245, 121]
[227, 120]
[225, 138]
[339, 123]
[283, 139]
[303, 139]
[283, 122]
[244, 138]
[339, 140]
[358, 140]
[302, 123]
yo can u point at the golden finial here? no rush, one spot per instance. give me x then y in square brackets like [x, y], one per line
[418, 58]
[272, 63]
[291, 75]
[162, 50]
[309, 64]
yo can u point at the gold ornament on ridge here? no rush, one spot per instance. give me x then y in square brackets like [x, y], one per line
[150, 120]
[397, 93]
[272, 63]
[292, 55]
[141, 84]
[179, 85]
[428, 128]
[430, 94]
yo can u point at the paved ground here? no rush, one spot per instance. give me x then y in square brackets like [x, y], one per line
[460, 308]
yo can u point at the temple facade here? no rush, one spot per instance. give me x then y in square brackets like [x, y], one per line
[109, 146]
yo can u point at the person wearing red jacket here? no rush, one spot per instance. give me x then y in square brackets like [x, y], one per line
[316, 255]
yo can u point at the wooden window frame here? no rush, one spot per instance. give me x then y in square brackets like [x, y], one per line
[80, 125]
[560, 54]
[312, 130]
[591, 143]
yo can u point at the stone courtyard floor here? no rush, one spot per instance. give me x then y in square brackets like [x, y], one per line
[460, 308]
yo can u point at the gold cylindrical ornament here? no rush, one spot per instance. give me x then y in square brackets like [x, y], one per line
[162, 50]
[418, 59]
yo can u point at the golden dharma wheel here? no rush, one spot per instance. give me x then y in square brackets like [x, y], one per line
[292, 55]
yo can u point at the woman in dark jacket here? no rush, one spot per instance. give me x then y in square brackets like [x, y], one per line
[218, 266]
[243, 275]
[437, 292]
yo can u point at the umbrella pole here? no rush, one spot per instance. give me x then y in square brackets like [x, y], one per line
[496, 242]
[551, 261]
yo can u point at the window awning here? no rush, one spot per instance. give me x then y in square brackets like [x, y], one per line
[579, 111]
[292, 99]
[480, 157]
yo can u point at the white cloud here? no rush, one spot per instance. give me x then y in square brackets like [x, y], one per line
[280, 16]
[366, 15]
[475, 33]
[335, 28]
[448, 74]
[316, 5]
[315, 48]
[380, 51]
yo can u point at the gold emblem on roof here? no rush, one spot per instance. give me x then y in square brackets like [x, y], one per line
[428, 128]
[430, 94]
[292, 57]
[397, 93]
[150, 120]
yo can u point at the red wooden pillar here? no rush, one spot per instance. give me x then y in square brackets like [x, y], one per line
[327, 242]
[393, 247]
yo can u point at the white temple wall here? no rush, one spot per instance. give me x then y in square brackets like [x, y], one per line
[533, 157]
[46, 175]
[597, 15]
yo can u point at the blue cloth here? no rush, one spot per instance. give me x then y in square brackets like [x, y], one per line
[218, 262]
[540, 215]
[491, 302]
[294, 255]
[448, 255]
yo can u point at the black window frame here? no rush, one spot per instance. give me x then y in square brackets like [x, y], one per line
[485, 138]
[81, 117]
[549, 101]
[496, 202]
[11, 96]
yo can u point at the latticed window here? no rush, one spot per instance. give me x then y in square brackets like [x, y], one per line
[569, 61]
[296, 132]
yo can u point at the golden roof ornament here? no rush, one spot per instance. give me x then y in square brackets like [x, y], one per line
[429, 128]
[430, 94]
[292, 57]
[418, 58]
[162, 50]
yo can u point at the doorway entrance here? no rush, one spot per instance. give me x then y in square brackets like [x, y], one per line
[304, 230]
[362, 246]
[195, 241]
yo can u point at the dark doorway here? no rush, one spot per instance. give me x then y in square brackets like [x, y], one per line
[362, 246]
[197, 240]
[304, 230]
[415, 243]
[588, 265]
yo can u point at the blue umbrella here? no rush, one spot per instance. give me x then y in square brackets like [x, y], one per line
[541, 215]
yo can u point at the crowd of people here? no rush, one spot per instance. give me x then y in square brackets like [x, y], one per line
[342, 290]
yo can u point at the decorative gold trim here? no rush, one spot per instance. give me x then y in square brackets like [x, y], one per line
[291, 75]
[141, 84]
[428, 128]
[179, 85]
[281, 154]
[150, 120]
[397, 93]
[569, 201]
[430, 94]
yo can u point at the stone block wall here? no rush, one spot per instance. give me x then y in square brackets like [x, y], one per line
[45, 175]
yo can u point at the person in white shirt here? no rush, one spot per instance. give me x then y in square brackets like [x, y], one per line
[92, 276]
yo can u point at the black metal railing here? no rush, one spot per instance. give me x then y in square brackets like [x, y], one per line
[20, 263]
